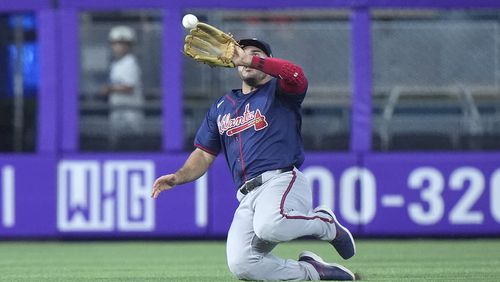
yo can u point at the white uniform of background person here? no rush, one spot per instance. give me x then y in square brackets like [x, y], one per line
[125, 89]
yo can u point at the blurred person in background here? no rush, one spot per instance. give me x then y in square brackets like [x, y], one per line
[124, 88]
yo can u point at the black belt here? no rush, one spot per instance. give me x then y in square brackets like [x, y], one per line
[257, 181]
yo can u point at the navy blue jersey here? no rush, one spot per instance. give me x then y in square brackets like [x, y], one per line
[257, 132]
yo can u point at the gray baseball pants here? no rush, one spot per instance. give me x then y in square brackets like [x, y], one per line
[278, 211]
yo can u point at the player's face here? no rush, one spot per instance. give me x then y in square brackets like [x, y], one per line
[249, 75]
[119, 48]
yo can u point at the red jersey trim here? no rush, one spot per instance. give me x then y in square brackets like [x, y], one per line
[231, 99]
[205, 149]
[282, 205]
[241, 158]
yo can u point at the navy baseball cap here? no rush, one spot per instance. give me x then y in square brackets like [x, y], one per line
[262, 45]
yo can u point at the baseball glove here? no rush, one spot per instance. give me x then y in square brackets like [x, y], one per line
[211, 46]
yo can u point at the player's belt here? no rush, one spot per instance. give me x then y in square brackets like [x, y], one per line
[259, 180]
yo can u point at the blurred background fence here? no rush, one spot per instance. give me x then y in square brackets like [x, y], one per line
[401, 93]
[435, 75]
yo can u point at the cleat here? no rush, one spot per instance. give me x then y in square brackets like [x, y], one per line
[343, 241]
[327, 271]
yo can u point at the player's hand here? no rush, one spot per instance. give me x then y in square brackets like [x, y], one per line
[105, 90]
[163, 183]
[240, 58]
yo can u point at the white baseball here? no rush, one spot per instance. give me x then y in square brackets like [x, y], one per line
[189, 21]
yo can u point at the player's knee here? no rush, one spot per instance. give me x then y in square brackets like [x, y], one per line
[244, 268]
[238, 265]
[238, 270]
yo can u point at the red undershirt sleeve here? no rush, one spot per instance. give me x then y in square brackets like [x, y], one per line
[292, 78]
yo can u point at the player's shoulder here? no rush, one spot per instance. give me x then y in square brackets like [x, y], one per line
[216, 106]
[218, 102]
[226, 100]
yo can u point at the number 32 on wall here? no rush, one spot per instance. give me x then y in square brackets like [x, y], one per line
[462, 212]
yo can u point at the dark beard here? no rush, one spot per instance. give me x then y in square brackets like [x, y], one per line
[252, 81]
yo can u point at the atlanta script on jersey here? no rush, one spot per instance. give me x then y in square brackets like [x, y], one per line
[248, 119]
[257, 132]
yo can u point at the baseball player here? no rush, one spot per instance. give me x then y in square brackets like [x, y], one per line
[257, 128]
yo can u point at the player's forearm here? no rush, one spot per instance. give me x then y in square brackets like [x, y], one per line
[194, 167]
[292, 78]
[124, 89]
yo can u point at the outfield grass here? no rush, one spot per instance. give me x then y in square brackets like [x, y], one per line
[377, 260]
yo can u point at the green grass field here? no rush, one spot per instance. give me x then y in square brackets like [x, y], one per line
[377, 260]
